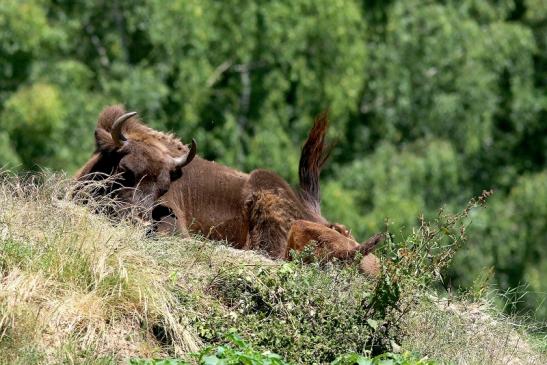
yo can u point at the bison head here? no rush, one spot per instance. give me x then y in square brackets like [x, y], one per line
[141, 163]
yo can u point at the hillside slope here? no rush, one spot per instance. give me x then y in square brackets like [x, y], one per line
[75, 288]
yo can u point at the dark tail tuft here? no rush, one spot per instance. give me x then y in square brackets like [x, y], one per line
[313, 157]
[364, 248]
[369, 245]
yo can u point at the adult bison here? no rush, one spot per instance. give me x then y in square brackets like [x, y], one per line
[257, 210]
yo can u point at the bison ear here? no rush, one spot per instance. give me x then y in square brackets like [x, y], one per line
[103, 137]
[104, 141]
[114, 139]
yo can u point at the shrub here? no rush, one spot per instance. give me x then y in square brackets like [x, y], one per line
[306, 312]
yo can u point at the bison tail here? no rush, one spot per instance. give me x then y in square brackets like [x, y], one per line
[364, 248]
[369, 245]
[314, 155]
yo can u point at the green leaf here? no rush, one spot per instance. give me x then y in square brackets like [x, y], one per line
[372, 323]
[211, 360]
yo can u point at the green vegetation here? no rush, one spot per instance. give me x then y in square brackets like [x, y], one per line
[79, 289]
[239, 352]
[430, 103]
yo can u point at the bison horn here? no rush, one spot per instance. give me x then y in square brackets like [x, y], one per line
[117, 135]
[185, 159]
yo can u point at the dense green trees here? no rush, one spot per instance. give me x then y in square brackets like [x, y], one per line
[430, 102]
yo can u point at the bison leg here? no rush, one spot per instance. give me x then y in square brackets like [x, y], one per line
[165, 222]
[331, 244]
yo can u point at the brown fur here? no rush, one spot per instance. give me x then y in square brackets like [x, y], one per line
[144, 164]
[331, 244]
[258, 211]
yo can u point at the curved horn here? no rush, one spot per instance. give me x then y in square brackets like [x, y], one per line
[185, 159]
[117, 135]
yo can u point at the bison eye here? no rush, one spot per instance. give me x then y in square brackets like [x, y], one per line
[175, 174]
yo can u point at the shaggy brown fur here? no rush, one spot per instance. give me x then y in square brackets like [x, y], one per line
[145, 163]
[276, 227]
[331, 244]
[251, 211]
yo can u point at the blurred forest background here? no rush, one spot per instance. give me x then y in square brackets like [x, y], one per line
[430, 103]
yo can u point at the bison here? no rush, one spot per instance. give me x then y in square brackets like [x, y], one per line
[185, 193]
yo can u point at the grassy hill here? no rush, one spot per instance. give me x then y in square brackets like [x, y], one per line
[78, 289]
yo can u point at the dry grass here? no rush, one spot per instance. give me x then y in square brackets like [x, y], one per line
[459, 332]
[76, 288]
[71, 279]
